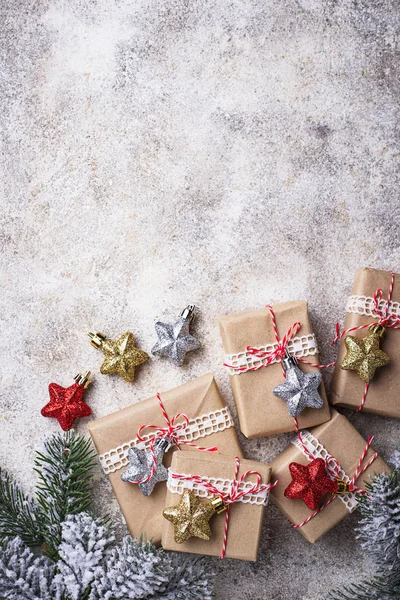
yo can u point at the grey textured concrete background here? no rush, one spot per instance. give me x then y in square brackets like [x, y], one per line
[157, 153]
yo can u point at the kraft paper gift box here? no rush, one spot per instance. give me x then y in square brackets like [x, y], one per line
[245, 519]
[342, 441]
[260, 412]
[347, 387]
[113, 434]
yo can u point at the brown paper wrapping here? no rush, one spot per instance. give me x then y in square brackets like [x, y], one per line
[143, 515]
[347, 386]
[245, 520]
[344, 443]
[260, 412]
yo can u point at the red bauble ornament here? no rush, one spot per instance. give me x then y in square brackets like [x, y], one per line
[310, 483]
[67, 404]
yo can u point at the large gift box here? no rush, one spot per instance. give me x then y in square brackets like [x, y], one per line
[245, 516]
[339, 439]
[260, 412]
[210, 424]
[347, 387]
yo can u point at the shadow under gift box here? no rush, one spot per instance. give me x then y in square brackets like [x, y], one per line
[261, 413]
[343, 442]
[198, 397]
[347, 387]
[245, 519]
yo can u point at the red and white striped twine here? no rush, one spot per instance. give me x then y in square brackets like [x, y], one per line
[385, 318]
[171, 432]
[279, 352]
[334, 472]
[234, 493]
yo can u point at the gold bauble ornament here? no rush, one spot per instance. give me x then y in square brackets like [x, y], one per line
[121, 356]
[191, 516]
[364, 355]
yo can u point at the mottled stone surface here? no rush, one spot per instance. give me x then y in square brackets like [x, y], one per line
[157, 153]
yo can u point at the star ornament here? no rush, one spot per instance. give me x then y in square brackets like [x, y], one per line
[364, 355]
[140, 465]
[121, 356]
[309, 483]
[190, 517]
[67, 404]
[299, 390]
[175, 340]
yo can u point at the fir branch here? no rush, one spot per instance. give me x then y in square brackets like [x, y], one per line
[380, 587]
[64, 469]
[24, 577]
[18, 513]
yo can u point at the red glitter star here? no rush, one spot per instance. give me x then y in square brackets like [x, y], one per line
[310, 483]
[66, 404]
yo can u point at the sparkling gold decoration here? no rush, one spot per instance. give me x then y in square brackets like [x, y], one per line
[191, 516]
[364, 355]
[121, 356]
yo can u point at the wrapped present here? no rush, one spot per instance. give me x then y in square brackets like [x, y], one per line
[215, 505]
[367, 373]
[253, 356]
[209, 424]
[321, 475]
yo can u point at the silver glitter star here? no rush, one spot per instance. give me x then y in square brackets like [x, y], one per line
[140, 465]
[175, 340]
[299, 390]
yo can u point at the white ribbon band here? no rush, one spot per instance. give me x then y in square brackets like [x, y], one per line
[212, 422]
[177, 486]
[364, 306]
[300, 347]
[317, 450]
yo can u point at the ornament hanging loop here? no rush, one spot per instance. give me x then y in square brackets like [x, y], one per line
[83, 379]
[189, 312]
[97, 339]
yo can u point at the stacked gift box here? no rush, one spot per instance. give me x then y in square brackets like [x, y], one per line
[210, 498]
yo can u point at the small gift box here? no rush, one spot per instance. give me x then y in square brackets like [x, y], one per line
[303, 478]
[239, 491]
[253, 358]
[367, 373]
[209, 425]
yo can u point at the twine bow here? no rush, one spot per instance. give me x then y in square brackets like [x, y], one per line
[234, 494]
[333, 470]
[170, 433]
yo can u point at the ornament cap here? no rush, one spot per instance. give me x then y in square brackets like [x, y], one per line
[189, 312]
[342, 487]
[289, 361]
[83, 379]
[96, 339]
[377, 329]
[163, 444]
[218, 504]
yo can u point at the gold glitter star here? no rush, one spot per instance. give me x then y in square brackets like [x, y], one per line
[190, 517]
[364, 355]
[121, 356]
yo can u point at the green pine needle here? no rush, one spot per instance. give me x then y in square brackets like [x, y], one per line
[18, 513]
[64, 470]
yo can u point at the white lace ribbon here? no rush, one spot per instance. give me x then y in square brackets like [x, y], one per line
[199, 427]
[177, 486]
[364, 306]
[241, 362]
[317, 450]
